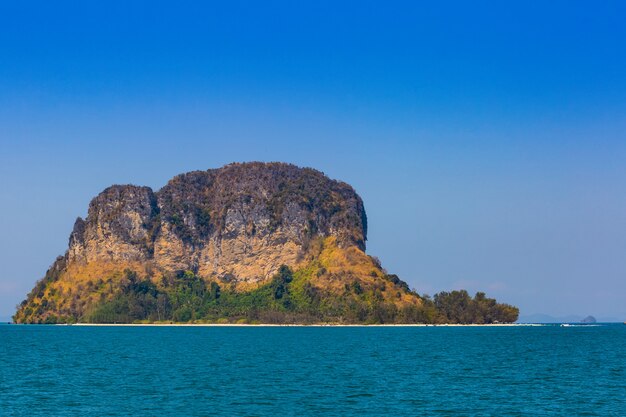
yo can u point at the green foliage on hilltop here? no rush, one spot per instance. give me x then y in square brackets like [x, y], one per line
[288, 298]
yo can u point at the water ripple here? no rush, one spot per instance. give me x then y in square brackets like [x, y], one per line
[147, 371]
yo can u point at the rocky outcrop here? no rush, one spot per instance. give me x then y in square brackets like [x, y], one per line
[236, 226]
[119, 227]
[239, 222]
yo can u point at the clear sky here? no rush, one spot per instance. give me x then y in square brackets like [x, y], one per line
[487, 139]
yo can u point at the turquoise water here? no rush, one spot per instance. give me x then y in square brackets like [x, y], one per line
[354, 371]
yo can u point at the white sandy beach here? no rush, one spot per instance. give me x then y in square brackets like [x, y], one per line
[300, 325]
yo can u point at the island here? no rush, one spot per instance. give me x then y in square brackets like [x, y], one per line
[246, 243]
[589, 320]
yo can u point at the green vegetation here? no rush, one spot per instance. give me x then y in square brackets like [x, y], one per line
[459, 307]
[288, 298]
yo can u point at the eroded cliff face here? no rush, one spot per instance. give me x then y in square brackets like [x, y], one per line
[234, 225]
[120, 225]
[238, 223]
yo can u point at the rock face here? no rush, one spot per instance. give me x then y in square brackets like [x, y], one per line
[246, 220]
[240, 222]
[119, 226]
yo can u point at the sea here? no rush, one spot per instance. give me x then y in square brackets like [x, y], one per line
[547, 370]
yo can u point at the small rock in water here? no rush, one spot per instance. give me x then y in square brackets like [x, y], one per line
[588, 320]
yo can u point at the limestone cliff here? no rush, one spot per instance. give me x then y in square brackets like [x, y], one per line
[240, 222]
[234, 226]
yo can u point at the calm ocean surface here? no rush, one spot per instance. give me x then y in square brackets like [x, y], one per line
[353, 371]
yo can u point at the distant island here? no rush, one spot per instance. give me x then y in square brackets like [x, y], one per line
[589, 320]
[245, 243]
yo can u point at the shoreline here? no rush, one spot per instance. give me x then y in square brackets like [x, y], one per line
[297, 325]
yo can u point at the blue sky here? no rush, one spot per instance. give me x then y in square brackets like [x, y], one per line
[487, 139]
